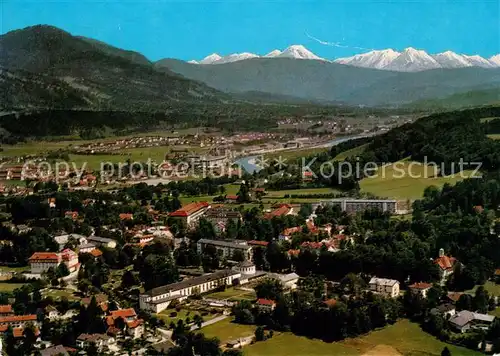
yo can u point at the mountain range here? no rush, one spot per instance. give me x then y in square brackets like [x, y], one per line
[43, 66]
[409, 60]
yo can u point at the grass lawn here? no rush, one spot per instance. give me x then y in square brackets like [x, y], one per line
[403, 338]
[495, 312]
[304, 191]
[226, 331]
[233, 294]
[494, 136]
[182, 314]
[353, 152]
[491, 287]
[9, 287]
[14, 269]
[60, 293]
[403, 182]
[487, 119]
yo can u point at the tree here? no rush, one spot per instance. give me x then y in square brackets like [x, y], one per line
[62, 270]
[259, 334]
[269, 288]
[198, 320]
[445, 352]
[128, 280]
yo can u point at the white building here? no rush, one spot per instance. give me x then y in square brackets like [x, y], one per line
[42, 261]
[158, 299]
[191, 213]
[421, 288]
[288, 281]
[385, 287]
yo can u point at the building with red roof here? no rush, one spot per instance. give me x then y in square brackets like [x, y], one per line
[17, 321]
[265, 304]
[41, 261]
[420, 287]
[446, 265]
[6, 310]
[191, 213]
[282, 210]
[126, 216]
[256, 243]
[133, 325]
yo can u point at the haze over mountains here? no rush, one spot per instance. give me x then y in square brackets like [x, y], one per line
[409, 60]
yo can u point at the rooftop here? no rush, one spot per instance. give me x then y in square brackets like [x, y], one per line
[383, 281]
[189, 209]
[191, 282]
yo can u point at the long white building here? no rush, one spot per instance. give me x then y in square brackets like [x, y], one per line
[158, 299]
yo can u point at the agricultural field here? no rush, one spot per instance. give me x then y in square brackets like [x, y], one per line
[391, 182]
[402, 338]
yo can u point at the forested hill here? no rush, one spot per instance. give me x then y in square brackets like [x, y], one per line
[96, 75]
[442, 138]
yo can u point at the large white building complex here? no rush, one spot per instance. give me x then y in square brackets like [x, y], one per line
[158, 299]
[227, 249]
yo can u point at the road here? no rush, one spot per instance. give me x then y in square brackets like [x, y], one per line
[209, 322]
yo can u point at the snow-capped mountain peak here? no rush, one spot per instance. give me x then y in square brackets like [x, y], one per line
[298, 52]
[451, 59]
[235, 57]
[210, 59]
[412, 60]
[273, 54]
[495, 60]
[478, 61]
[378, 59]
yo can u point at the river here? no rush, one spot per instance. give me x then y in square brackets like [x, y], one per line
[248, 162]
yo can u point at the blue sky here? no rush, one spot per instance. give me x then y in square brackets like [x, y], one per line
[194, 29]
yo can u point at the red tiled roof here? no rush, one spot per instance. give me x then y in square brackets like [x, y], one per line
[478, 209]
[445, 262]
[454, 296]
[134, 323]
[231, 197]
[48, 256]
[330, 302]
[420, 285]
[189, 209]
[258, 243]
[17, 332]
[17, 318]
[262, 301]
[123, 313]
[282, 210]
[293, 252]
[96, 252]
[125, 216]
[5, 309]
[291, 230]
[497, 272]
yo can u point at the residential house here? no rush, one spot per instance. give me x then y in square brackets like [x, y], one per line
[6, 310]
[446, 265]
[446, 309]
[87, 248]
[102, 241]
[465, 320]
[101, 341]
[134, 326]
[421, 288]
[158, 299]
[265, 304]
[289, 281]
[58, 350]
[384, 286]
[101, 300]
